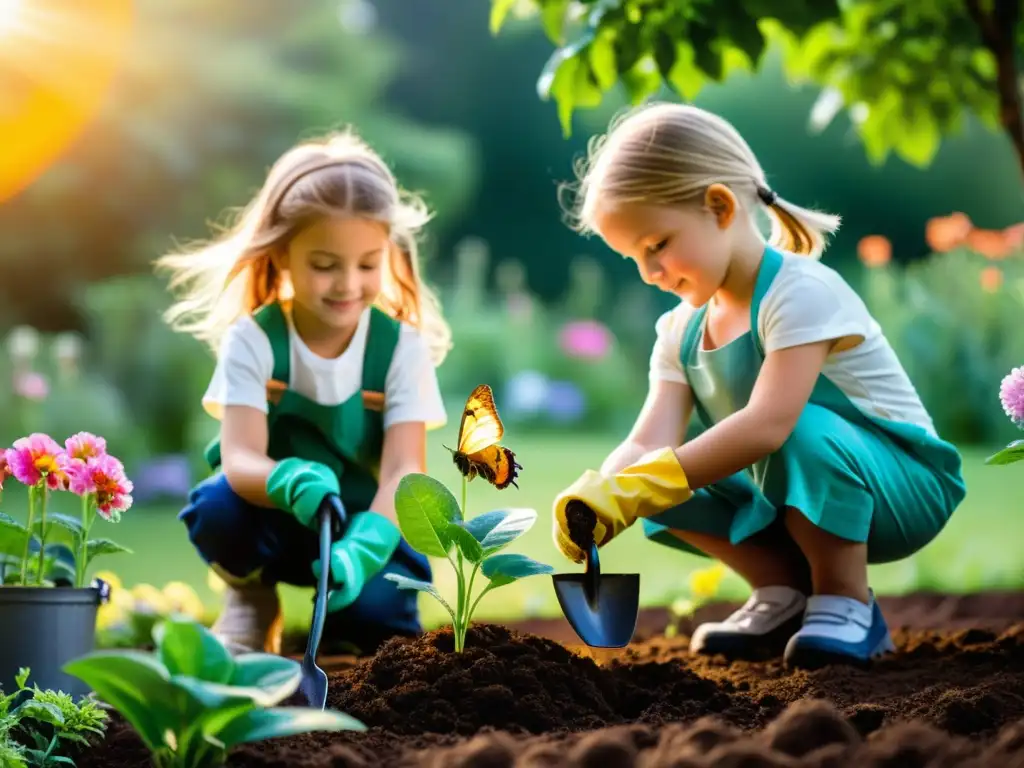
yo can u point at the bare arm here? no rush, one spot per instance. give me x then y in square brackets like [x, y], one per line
[662, 422]
[244, 439]
[405, 451]
[782, 390]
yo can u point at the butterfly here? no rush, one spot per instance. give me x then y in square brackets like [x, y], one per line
[478, 451]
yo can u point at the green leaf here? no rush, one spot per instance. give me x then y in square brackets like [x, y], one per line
[467, 545]
[499, 12]
[258, 725]
[12, 538]
[97, 547]
[43, 711]
[403, 582]
[425, 507]
[601, 56]
[186, 647]
[1012, 453]
[504, 569]
[685, 77]
[920, 140]
[139, 687]
[552, 18]
[278, 675]
[495, 530]
[66, 522]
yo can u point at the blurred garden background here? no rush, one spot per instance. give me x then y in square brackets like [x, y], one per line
[173, 110]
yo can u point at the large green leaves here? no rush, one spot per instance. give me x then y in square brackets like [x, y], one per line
[495, 530]
[404, 582]
[190, 701]
[425, 508]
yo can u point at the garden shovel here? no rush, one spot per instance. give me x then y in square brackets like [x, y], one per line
[313, 685]
[602, 609]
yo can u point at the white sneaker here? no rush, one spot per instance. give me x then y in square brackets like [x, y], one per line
[839, 629]
[759, 629]
[251, 619]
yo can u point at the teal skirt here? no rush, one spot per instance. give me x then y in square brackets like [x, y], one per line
[850, 480]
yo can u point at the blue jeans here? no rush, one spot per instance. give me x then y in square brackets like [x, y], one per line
[242, 537]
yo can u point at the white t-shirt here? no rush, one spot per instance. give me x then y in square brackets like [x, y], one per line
[246, 362]
[808, 302]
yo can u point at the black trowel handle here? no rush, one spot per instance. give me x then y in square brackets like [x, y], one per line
[592, 576]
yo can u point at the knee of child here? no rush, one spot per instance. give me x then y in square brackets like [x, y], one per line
[214, 514]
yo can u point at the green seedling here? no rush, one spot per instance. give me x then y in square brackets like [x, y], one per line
[1008, 455]
[190, 701]
[433, 523]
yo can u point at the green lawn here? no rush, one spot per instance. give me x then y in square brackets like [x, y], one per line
[978, 550]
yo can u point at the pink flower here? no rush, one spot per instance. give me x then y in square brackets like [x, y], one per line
[83, 446]
[34, 457]
[31, 386]
[104, 476]
[585, 339]
[1011, 394]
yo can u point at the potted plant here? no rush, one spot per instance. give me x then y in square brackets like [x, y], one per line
[44, 560]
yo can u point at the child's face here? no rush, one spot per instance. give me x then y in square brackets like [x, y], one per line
[335, 266]
[681, 250]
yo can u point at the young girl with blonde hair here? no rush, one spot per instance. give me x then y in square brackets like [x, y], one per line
[813, 454]
[326, 341]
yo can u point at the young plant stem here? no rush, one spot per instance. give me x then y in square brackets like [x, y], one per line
[462, 605]
[42, 532]
[28, 534]
[88, 513]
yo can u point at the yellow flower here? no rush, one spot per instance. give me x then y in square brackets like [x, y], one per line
[181, 598]
[215, 582]
[149, 599]
[116, 610]
[704, 583]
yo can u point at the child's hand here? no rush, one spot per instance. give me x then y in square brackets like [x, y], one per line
[299, 487]
[653, 484]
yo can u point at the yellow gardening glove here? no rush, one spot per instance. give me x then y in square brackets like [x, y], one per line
[651, 485]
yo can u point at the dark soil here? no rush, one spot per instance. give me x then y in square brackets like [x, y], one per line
[953, 695]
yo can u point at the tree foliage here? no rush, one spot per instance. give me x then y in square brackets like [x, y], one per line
[907, 71]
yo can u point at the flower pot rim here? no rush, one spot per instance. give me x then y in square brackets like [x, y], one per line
[17, 594]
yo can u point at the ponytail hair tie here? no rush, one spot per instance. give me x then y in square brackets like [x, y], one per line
[768, 196]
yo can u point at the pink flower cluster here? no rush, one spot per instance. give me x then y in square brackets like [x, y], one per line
[1011, 395]
[82, 466]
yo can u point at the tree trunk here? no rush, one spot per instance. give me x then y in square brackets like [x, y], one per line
[998, 33]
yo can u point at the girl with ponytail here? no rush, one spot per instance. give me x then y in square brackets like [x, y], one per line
[780, 434]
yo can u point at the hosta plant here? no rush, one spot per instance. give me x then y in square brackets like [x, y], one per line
[190, 701]
[34, 733]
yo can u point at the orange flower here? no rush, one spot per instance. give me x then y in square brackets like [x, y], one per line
[991, 279]
[1014, 235]
[990, 243]
[944, 233]
[874, 251]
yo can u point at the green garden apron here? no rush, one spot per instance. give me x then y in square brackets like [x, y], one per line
[347, 437]
[858, 476]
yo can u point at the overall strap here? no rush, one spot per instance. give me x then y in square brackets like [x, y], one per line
[381, 342]
[272, 320]
[771, 263]
[691, 335]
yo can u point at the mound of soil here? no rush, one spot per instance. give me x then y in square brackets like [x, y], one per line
[946, 698]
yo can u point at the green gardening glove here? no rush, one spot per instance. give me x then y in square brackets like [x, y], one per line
[365, 548]
[299, 487]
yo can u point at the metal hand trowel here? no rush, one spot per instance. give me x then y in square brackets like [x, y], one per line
[602, 608]
[313, 684]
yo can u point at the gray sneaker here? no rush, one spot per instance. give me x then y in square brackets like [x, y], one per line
[251, 619]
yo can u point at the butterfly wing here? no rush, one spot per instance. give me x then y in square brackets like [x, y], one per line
[497, 465]
[481, 427]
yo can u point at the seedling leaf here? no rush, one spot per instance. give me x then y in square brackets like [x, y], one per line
[504, 569]
[425, 508]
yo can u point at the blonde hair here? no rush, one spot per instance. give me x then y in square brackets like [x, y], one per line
[669, 154]
[225, 278]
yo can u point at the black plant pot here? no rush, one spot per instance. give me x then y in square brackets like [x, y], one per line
[43, 628]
